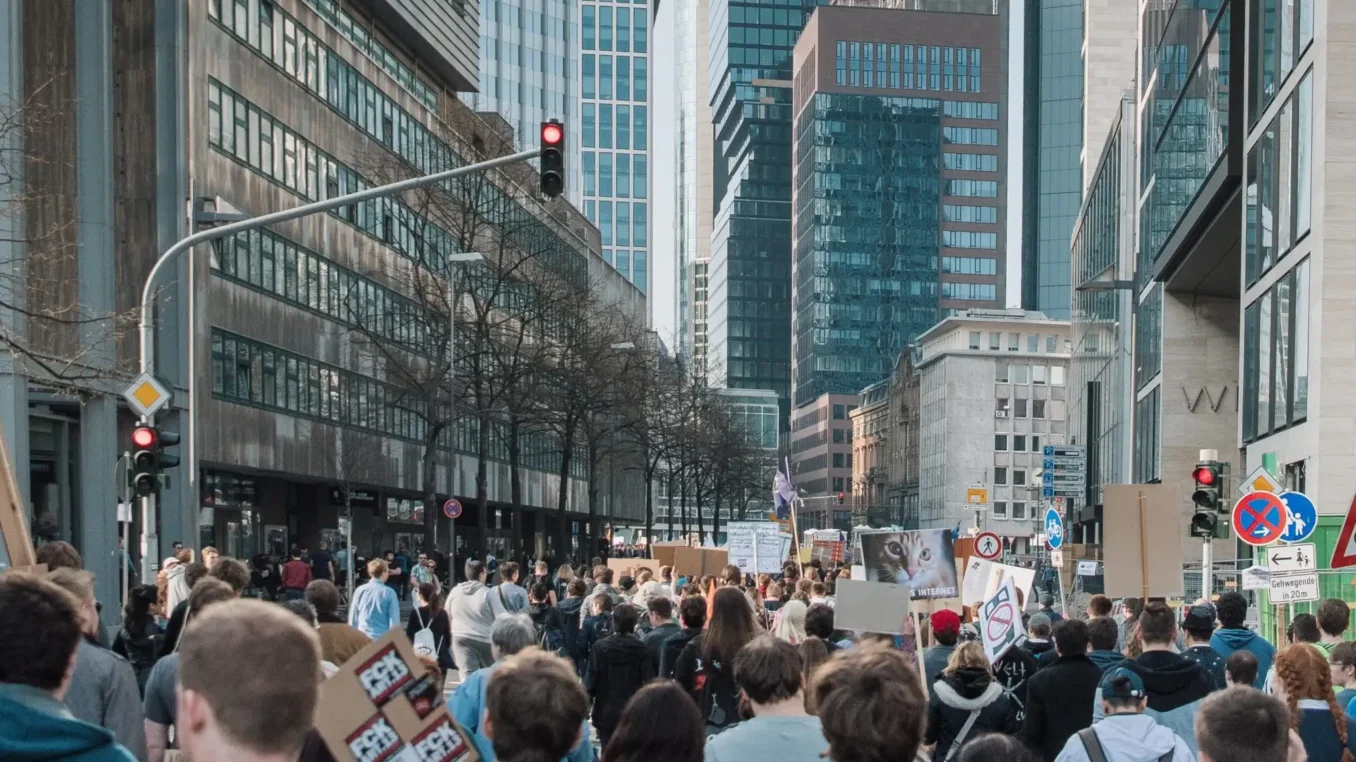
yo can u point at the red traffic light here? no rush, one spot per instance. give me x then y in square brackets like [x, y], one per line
[552, 134]
[143, 437]
[1204, 476]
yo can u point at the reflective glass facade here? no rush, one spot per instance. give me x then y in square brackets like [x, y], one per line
[868, 217]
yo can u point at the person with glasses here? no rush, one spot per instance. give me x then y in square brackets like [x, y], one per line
[423, 572]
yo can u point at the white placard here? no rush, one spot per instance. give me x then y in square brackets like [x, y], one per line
[1000, 622]
[1256, 578]
[754, 546]
[1087, 568]
[1289, 559]
[975, 581]
[1294, 588]
[1022, 579]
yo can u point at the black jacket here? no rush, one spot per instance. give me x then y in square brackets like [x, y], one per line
[1038, 648]
[711, 684]
[673, 648]
[654, 642]
[1012, 670]
[619, 666]
[1059, 703]
[955, 696]
[546, 619]
[569, 609]
[1208, 657]
[440, 626]
[1171, 680]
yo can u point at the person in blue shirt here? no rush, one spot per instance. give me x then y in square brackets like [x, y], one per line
[375, 610]
[510, 634]
[1232, 609]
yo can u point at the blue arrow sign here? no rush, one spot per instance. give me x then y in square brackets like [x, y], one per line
[1054, 529]
[1301, 516]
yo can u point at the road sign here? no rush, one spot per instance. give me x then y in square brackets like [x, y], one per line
[1064, 451]
[1294, 588]
[1054, 529]
[1290, 559]
[1260, 480]
[1087, 569]
[1256, 578]
[1062, 489]
[977, 496]
[1259, 518]
[146, 395]
[1059, 477]
[988, 546]
[1344, 552]
[1301, 516]
[452, 508]
[1063, 464]
[1057, 558]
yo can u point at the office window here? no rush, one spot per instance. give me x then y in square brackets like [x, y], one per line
[642, 31]
[1056, 375]
[839, 413]
[604, 125]
[1279, 184]
[1033, 343]
[936, 67]
[1000, 475]
[642, 79]
[639, 225]
[837, 436]
[977, 189]
[587, 23]
[976, 136]
[605, 27]
[640, 129]
[641, 186]
[1035, 443]
[1000, 509]
[623, 78]
[1014, 342]
[962, 71]
[605, 77]
[605, 222]
[868, 65]
[1002, 405]
[623, 235]
[605, 174]
[1018, 477]
[894, 66]
[623, 177]
[1037, 408]
[1038, 374]
[590, 176]
[974, 339]
[948, 68]
[1000, 442]
[1019, 407]
[1051, 343]
[970, 162]
[995, 340]
[1019, 443]
[907, 51]
[974, 70]
[1019, 510]
[967, 239]
[623, 30]
[588, 88]
[1276, 356]
[962, 213]
[639, 273]
[1020, 374]
[840, 63]
[589, 124]
[838, 460]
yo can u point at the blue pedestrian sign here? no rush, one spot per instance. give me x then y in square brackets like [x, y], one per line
[1301, 517]
[1054, 529]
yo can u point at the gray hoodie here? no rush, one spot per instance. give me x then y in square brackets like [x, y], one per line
[104, 692]
[1130, 738]
[469, 607]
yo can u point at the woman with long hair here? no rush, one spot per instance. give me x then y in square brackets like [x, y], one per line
[813, 652]
[563, 576]
[965, 686]
[790, 625]
[705, 668]
[138, 640]
[430, 615]
[680, 737]
[1304, 684]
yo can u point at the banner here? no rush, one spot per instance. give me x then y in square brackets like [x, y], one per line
[754, 546]
[1000, 622]
[783, 494]
[924, 560]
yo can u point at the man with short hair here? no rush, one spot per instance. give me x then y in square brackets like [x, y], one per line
[619, 665]
[512, 634]
[375, 610]
[1199, 625]
[692, 615]
[339, 641]
[249, 677]
[662, 627]
[1038, 637]
[871, 704]
[1099, 605]
[1124, 731]
[1059, 697]
[945, 625]
[1343, 669]
[819, 624]
[1333, 619]
[508, 597]
[41, 629]
[1241, 724]
[602, 579]
[1103, 633]
[468, 606]
[770, 676]
[322, 563]
[534, 710]
[1173, 685]
[1047, 608]
[296, 575]
[1240, 669]
[1232, 610]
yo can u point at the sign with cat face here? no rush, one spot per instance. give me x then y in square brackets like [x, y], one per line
[923, 560]
[1000, 622]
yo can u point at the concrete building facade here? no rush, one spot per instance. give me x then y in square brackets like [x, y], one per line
[821, 461]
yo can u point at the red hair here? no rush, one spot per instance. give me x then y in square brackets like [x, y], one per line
[1304, 674]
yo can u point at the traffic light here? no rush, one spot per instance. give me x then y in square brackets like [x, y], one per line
[840, 498]
[552, 158]
[1207, 500]
[149, 459]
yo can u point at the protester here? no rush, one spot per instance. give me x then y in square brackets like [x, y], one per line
[375, 609]
[171, 582]
[1243, 724]
[249, 677]
[996, 746]
[296, 575]
[597, 625]
[1241, 669]
[161, 701]
[534, 711]
[619, 665]
[339, 641]
[602, 577]
[1038, 636]
[966, 689]
[1099, 605]
[1199, 625]
[564, 575]
[662, 627]
[103, 690]
[265, 577]
[41, 630]
[819, 625]
[322, 563]
[424, 570]
[508, 597]
[1333, 619]
[1012, 670]
[510, 635]
[705, 667]
[1302, 629]
[1047, 608]
[428, 627]
[1304, 685]
[1122, 730]
[1173, 685]
[769, 674]
[871, 706]
[401, 560]
[640, 738]
[1343, 668]
[472, 616]
[692, 617]
[945, 626]
[571, 613]
[1102, 634]
[138, 640]
[306, 613]
[790, 622]
[1059, 697]
[174, 623]
[1232, 609]
[548, 625]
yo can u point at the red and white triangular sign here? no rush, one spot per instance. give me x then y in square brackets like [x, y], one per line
[1344, 552]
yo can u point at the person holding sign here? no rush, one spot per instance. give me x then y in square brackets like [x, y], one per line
[966, 702]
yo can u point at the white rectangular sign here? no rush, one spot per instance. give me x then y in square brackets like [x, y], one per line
[1000, 622]
[1256, 578]
[1294, 588]
[1288, 559]
[1057, 558]
[754, 546]
[974, 582]
[1087, 568]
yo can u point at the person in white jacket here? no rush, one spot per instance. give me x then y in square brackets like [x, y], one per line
[1126, 734]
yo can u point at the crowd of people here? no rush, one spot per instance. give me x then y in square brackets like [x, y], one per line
[641, 665]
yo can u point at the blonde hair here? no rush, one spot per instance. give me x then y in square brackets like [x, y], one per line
[377, 567]
[565, 573]
[968, 655]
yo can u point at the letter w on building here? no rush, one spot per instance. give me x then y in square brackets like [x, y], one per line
[1204, 391]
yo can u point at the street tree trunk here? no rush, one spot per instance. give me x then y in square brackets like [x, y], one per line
[429, 479]
[563, 491]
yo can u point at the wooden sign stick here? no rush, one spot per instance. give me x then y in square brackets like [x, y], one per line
[13, 524]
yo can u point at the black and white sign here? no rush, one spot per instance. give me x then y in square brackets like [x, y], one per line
[1291, 559]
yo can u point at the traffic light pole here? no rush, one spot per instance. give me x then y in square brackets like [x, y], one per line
[149, 518]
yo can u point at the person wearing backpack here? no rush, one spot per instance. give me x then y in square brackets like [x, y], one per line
[428, 627]
[1125, 733]
[138, 640]
[619, 665]
[596, 626]
[547, 623]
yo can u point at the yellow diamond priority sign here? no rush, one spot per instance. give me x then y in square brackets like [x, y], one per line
[146, 395]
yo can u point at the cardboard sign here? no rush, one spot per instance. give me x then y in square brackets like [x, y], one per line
[754, 546]
[630, 567]
[827, 552]
[1000, 622]
[975, 580]
[1022, 581]
[699, 562]
[664, 552]
[383, 705]
[871, 606]
[1148, 534]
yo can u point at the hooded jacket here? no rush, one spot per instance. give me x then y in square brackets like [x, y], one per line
[618, 667]
[35, 727]
[955, 696]
[103, 692]
[1130, 738]
[469, 607]
[176, 584]
[1175, 685]
[1058, 703]
[1106, 659]
[467, 705]
[1225, 642]
[673, 648]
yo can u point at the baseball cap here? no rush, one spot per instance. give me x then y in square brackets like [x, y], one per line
[945, 621]
[1114, 687]
[1199, 617]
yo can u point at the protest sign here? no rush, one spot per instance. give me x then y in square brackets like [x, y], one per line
[827, 552]
[754, 546]
[1022, 581]
[384, 704]
[975, 580]
[871, 606]
[664, 552]
[698, 562]
[1000, 622]
[631, 566]
[923, 560]
[1146, 558]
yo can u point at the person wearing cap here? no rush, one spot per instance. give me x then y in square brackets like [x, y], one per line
[1126, 733]
[945, 631]
[1059, 697]
[1199, 625]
